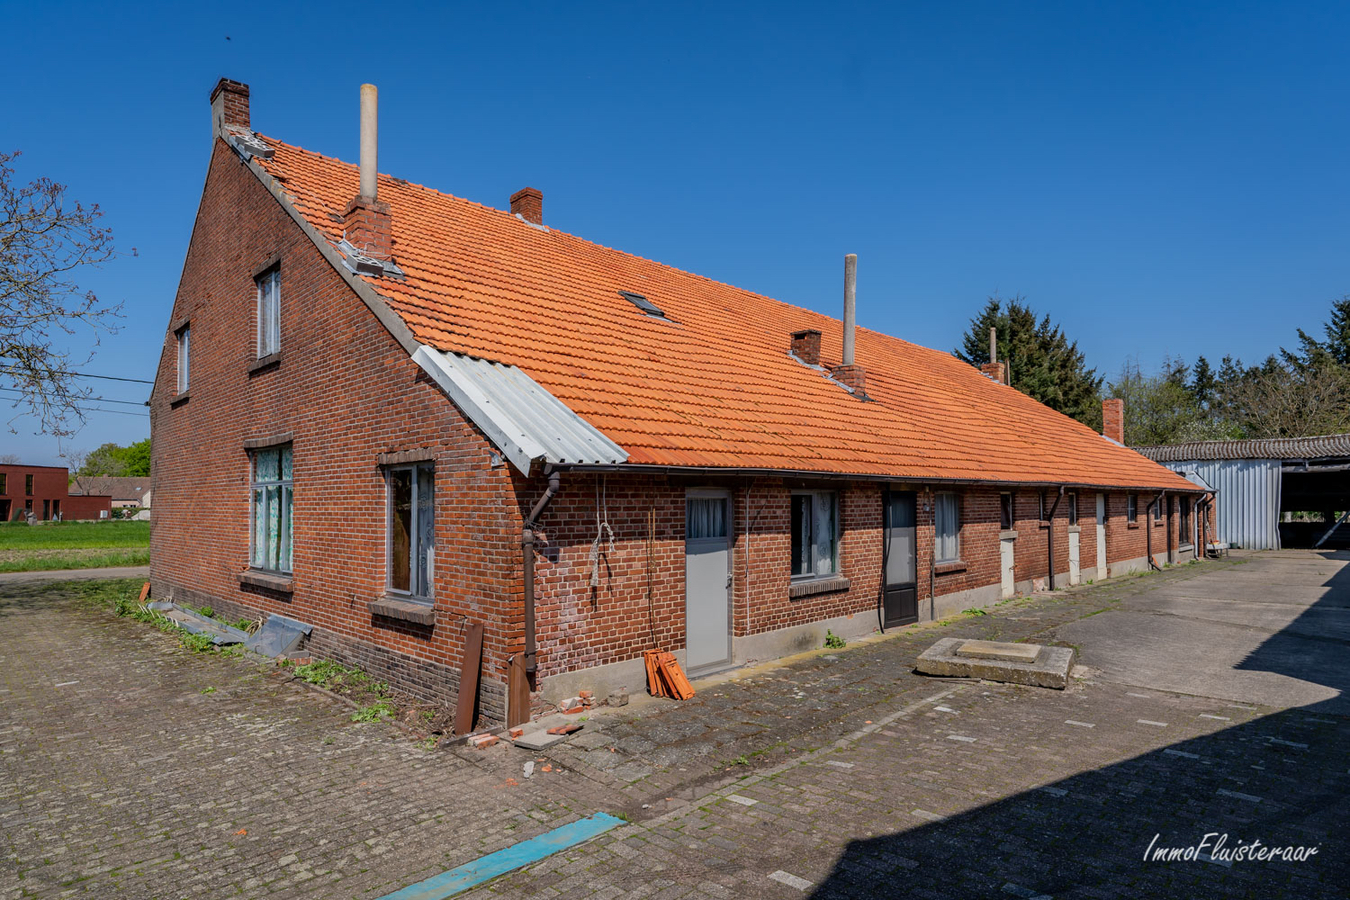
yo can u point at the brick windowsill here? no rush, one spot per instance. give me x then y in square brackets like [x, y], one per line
[265, 362]
[272, 581]
[179, 399]
[403, 610]
[813, 586]
[947, 568]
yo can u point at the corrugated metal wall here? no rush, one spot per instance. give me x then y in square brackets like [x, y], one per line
[1248, 503]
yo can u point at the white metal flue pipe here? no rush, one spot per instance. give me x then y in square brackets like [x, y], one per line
[370, 139]
[993, 344]
[850, 305]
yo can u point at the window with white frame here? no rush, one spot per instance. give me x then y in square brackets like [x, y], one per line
[184, 354]
[269, 312]
[271, 504]
[412, 529]
[815, 534]
[947, 527]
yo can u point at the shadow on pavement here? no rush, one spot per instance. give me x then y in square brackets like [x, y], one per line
[1281, 779]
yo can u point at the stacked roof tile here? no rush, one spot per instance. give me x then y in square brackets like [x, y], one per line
[715, 385]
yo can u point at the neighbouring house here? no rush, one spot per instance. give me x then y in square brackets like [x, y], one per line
[127, 493]
[43, 491]
[1271, 492]
[395, 414]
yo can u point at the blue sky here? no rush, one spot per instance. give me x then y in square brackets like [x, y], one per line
[1160, 178]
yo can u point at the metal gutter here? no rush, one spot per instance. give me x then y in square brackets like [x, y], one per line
[1050, 535]
[808, 474]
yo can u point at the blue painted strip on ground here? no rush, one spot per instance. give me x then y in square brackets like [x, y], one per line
[447, 884]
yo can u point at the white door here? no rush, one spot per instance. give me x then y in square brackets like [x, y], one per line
[1074, 572]
[707, 580]
[1101, 536]
[1005, 560]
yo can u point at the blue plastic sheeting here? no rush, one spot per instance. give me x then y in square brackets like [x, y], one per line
[447, 884]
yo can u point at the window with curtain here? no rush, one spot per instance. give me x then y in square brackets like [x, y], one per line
[271, 505]
[707, 518]
[815, 534]
[412, 529]
[269, 312]
[947, 527]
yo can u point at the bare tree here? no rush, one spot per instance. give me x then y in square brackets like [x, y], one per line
[44, 239]
[74, 460]
[1288, 401]
[10, 459]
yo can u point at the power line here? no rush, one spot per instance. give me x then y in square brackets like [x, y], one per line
[14, 368]
[94, 399]
[116, 412]
[120, 412]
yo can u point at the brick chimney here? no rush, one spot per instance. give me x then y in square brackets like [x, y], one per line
[365, 221]
[528, 203]
[853, 376]
[1113, 420]
[806, 346]
[995, 370]
[229, 105]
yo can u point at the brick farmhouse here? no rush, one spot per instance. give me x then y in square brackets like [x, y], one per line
[393, 414]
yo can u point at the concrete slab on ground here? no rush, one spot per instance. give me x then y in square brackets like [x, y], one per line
[1032, 664]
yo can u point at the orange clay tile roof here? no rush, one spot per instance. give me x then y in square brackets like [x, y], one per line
[715, 387]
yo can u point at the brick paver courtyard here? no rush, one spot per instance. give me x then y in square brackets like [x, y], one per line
[838, 774]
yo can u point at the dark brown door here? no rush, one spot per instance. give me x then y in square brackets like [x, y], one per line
[900, 599]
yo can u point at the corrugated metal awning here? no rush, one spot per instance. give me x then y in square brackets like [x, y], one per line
[1320, 447]
[527, 423]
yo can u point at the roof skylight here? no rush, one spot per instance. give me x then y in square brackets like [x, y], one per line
[643, 304]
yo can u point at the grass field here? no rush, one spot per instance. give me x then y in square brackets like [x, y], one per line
[73, 545]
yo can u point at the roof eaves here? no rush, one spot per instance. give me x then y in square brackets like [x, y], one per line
[1176, 483]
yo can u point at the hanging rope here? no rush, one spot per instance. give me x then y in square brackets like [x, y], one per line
[601, 529]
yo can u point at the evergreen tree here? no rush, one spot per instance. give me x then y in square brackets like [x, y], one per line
[1042, 362]
[1203, 383]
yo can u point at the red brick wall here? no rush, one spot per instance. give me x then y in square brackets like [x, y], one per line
[979, 564]
[73, 508]
[636, 602]
[347, 392]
